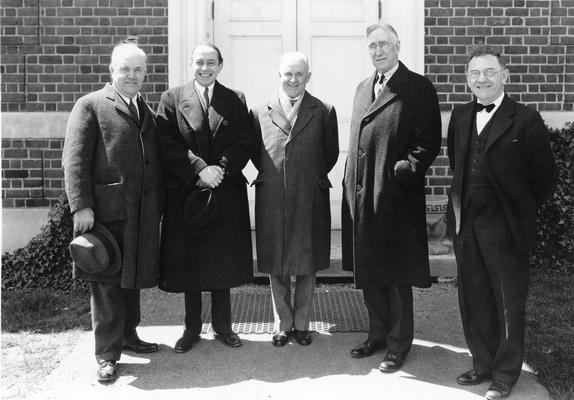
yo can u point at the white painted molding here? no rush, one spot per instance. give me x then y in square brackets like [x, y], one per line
[34, 125]
[188, 24]
[407, 17]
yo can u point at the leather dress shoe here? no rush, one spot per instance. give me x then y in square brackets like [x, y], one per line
[230, 339]
[303, 337]
[392, 362]
[280, 339]
[367, 349]
[107, 371]
[473, 377]
[139, 346]
[498, 390]
[185, 343]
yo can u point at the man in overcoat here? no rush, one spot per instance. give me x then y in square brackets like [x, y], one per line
[112, 176]
[205, 136]
[296, 147]
[395, 135]
[503, 171]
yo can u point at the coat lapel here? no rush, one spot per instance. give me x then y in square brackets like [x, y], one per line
[119, 103]
[277, 115]
[147, 114]
[190, 107]
[304, 115]
[465, 131]
[501, 121]
[218, 108]
[391, 89]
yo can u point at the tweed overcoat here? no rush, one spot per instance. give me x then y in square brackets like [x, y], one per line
[383, 214]
[292, 208]
[222, 256]
[517, 158]
[111, 164]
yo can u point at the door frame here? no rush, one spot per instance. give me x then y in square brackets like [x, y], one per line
[191, 22]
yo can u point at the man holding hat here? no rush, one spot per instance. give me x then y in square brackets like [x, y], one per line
[205, 139]
[112, 178]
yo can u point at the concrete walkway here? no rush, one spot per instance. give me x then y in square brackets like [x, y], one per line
[259, 371]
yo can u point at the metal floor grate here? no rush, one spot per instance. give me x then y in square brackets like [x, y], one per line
[340, 310]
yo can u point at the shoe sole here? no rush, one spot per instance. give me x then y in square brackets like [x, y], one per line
[140, 351]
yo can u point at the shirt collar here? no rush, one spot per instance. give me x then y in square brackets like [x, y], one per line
[496, 103]
[127, 99]
[389, 73]
[200, 89]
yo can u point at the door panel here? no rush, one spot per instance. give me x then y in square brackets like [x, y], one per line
[253, 34]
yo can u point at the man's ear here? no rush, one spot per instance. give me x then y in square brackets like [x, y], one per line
[505, 75]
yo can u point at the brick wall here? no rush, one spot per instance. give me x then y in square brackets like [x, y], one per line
[535, 36]
[31, 172]
[54, 51]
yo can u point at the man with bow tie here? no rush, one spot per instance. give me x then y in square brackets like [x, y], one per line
[503, 171]
[296, 147]
[395, 135]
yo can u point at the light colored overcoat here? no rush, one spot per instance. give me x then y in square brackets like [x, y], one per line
[292, 208]
[383, 215]
[111, 164]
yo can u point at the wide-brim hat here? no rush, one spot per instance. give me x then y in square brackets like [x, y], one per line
[96, 251]
[200, 207]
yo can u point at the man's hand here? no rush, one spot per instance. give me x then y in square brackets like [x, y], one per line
[211, 176]
[83, 220]
[403, 169]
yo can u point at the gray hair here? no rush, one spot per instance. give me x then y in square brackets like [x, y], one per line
[387, 28]
[126, 47]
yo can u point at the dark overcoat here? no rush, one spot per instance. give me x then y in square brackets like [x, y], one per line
[111, 164]
[383, 214]
[292, 208]
[517, 158]
[222, 256]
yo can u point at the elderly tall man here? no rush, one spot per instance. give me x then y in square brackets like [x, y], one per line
[296, 147]
[503, 171]
[205, 137]
[112, 177]
[395, 136]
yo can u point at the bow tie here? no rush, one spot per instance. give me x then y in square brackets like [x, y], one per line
[479, 107]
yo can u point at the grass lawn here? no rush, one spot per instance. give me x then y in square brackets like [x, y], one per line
[550, 333]
[39, 328]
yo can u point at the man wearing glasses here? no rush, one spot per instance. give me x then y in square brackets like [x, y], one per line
[395, 135]
[503, 171]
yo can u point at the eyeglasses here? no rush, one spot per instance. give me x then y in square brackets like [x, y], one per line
[489, 73]
[380, 45]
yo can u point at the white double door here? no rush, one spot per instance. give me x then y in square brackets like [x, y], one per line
[253, 34]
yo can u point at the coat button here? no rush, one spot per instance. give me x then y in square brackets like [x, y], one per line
[361, 153]
[359, 187]
[367, 119]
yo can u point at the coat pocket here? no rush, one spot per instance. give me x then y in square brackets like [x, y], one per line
[110, 202]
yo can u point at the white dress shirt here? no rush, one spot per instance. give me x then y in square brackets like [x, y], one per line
[482, 117]
[200, 90]
[388, 75]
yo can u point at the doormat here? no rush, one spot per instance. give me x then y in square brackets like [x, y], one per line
[339, 310]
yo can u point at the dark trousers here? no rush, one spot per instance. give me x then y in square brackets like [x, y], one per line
[220, 312]
[390, 310]
[115, 316]
[493, 285]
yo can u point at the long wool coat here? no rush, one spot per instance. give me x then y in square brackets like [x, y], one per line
[292, 209]
[383, 214]
[518, 159]
[221, 257]
[111, 164]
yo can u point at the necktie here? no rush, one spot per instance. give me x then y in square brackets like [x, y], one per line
[206, 97]
[380, 83]
[479, 107]
[381, 79]
[133, 110]
[292, 101]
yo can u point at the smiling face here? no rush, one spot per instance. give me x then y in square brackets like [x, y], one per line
[486, 78]
[205, 65]
[293, 75]
[128, 69]
[384, 49]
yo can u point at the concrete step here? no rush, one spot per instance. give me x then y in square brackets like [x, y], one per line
[443, 265]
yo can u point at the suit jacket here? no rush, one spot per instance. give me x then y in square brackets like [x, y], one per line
[518, 160]
[111, 164]
[222, 256]
[292, 208]
[384, 213]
